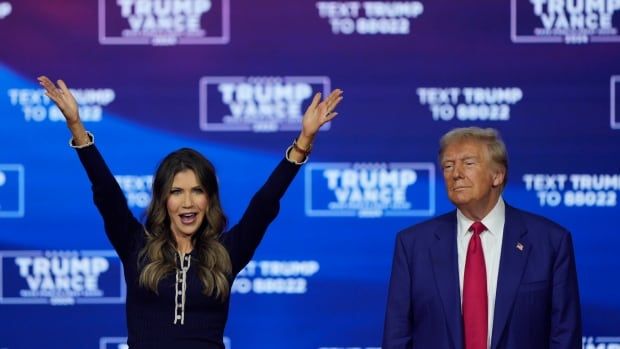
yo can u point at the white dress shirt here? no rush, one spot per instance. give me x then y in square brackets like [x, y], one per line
[492, 248]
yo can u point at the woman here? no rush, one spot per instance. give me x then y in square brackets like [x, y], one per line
[179, 265]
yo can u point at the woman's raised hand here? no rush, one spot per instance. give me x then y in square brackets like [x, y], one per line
[62, 97]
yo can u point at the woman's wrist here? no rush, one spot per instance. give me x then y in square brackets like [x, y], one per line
[304, 150]
[304, 142]
[300, 149]
[80, 136]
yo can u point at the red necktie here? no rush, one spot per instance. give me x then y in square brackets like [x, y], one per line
[475, 307]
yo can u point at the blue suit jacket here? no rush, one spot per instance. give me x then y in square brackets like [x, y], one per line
[537, 301]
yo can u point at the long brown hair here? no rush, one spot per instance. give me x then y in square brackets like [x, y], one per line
[158, 257]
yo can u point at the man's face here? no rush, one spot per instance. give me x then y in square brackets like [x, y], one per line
[472, 180]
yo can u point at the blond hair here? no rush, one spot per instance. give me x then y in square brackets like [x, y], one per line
[489, 136]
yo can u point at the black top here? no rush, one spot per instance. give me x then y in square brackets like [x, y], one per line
[151, 317]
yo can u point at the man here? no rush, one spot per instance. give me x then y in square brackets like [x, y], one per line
[487, 275]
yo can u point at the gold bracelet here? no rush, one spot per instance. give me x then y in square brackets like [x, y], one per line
[300, 149]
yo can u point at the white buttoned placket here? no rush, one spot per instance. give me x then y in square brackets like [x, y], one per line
[180, 288]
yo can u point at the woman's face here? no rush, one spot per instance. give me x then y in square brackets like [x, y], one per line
[187, 202]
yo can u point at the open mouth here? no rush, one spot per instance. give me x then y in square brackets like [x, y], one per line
[188, 218]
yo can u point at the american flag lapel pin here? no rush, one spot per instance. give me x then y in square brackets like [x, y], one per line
[520, 246]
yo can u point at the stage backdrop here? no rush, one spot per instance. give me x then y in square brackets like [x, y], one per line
[231, 79]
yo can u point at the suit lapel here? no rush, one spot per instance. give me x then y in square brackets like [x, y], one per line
[445, 267]
[515, 251]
